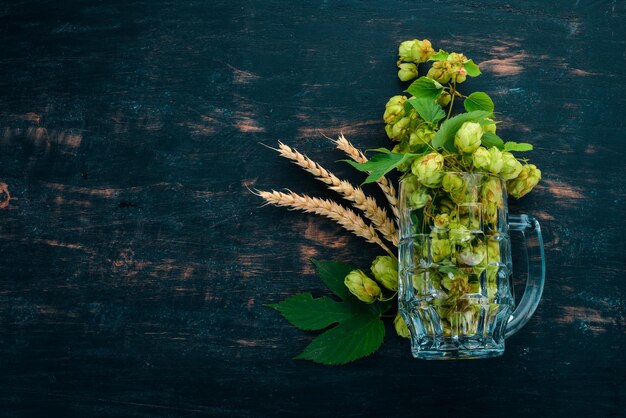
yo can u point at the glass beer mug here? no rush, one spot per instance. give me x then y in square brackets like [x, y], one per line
[455, 267]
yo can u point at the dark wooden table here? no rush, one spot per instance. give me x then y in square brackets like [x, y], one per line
[135, 263]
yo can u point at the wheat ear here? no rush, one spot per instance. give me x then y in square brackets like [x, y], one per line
[367, 204]
[343, 216]
[385, 185]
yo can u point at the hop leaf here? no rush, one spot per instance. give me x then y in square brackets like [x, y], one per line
[359, 331]
[380, 164]
[425, 88]
[472, 69]
[478, 101]
[517, 146]
[428, 110]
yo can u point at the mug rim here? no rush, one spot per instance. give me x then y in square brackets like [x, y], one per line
[466, 173]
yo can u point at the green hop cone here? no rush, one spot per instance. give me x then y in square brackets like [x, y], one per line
[419, 198]
[491, 191]
[457, 284]
[401, 329]
[495, 160]
[455, 186]
[385, 271]
[472, 256]
[407, 71]
[442, 220]
[404, 50]
[421, 51]
[417, 195]
[524, 182]
[510, 166]
[394, 109]
[459, 75]
[439, 249]
[389, 131]
[460, 235]
[457, 71]
[444, 99]
[421, 136]
[399, 129]
[361, 286]
[491, 199]
[467, 138]
[481, 158]
[440, 71]
[429, 169]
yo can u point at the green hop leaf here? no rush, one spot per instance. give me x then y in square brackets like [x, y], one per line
[517, 146]
[472, 69]
[359, 331]
[352, 339]
[306, 313]
[425, 88]
[428, 109]
[478, 101]
[489, 140]
[444, 138]
[380, 164]
[439, 56]
[330, 271]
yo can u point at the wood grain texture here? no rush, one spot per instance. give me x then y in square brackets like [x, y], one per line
[135, 262]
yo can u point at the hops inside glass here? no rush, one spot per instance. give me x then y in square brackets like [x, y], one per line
[455, 267]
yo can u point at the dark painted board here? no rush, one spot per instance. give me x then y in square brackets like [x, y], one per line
[135, 262]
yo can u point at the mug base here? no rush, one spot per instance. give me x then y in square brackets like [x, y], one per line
[457, 354]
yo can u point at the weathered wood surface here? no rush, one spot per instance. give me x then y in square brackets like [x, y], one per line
[135, 262]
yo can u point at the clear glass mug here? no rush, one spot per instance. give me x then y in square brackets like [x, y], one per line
[455, 267]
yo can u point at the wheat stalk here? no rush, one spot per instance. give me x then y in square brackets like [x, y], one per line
[385, 185]
[367, 204]
[343, 216]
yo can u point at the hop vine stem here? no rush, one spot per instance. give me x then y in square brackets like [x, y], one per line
[453, 91]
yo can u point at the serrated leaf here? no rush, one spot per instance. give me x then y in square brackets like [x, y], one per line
[428, 110]
[307, 313]
[478, 101]
[490, 139]
[472, 69]
[425, 88]
[518, 146]
[439, 56]
[380, 164]
[444, 138]
[352, 339]
[360, 330]
[332, 274]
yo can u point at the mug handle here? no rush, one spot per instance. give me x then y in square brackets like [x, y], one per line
[533, 247]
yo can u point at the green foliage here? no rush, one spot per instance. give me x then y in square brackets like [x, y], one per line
[517, 146]
[307, 313]
[472, 69]
[425, 88]
[444, 138]
[478, 101]
[439, 56]
[359, 331]
[380, 164]
[489, 140]
[428, 110]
